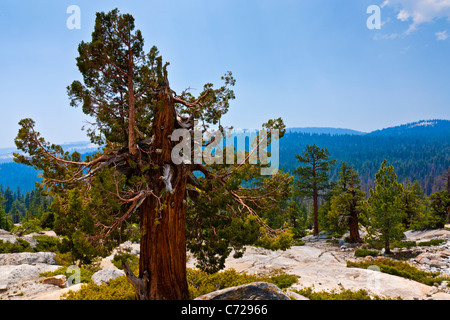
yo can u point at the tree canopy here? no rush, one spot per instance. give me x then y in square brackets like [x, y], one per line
[126, 90]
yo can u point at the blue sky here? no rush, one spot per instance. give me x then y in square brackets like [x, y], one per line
[311, 62]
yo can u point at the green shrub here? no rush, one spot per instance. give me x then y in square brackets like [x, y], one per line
[282, 280]
[404, 244]
[433, 242]
[343, 294]
[64, 259]
[85, 273]
[299, 243]
[125, 256]
[199, 283]
[27, 227]
[374, 243]
[379, 244]
[46, 243]
[401, 269]
[20, 246]
[116, 289]
[366, 252]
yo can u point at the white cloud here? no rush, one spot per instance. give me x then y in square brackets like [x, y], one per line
[441, 35]
[403, 15]
[419, 11]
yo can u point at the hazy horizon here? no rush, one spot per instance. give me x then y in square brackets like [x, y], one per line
[314, 63]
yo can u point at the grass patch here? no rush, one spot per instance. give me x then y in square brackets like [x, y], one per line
[342, 294]
[401, 269]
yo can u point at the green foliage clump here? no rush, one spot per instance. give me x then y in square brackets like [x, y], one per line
[379, 243]
[116, 289]
[125, 256]
[46, 243]
[404, 244]
[85, 273]
[343, 294]
[401, 269]
[433, 242]
[27, 227]
[200, 282]
[281, 242]
[365, 252]
[20, 246]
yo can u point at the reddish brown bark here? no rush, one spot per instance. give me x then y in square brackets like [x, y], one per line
[162, 264]
[131, 108]
[163, 248]
[353, 227]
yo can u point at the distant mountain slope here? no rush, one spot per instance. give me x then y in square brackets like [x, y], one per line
[83, 147]
[418, 151]
[420, 128]
[15, 175]
[325, 130]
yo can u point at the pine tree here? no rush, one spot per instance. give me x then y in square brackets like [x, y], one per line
[347, 201]
[3, 218]
[296, 215]
[312, 176]
[384, 207]
[440, 204]
[411, 201]
[75, 223]
[9, 199]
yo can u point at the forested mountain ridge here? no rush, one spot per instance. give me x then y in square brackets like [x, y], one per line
[418, 151]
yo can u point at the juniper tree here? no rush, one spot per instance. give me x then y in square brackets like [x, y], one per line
[204, 208]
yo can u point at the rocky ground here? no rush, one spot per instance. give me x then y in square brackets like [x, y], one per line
[323, 265]
[319, 264]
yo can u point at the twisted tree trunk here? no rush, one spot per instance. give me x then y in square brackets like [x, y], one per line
[353, 227]
[162, 265]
